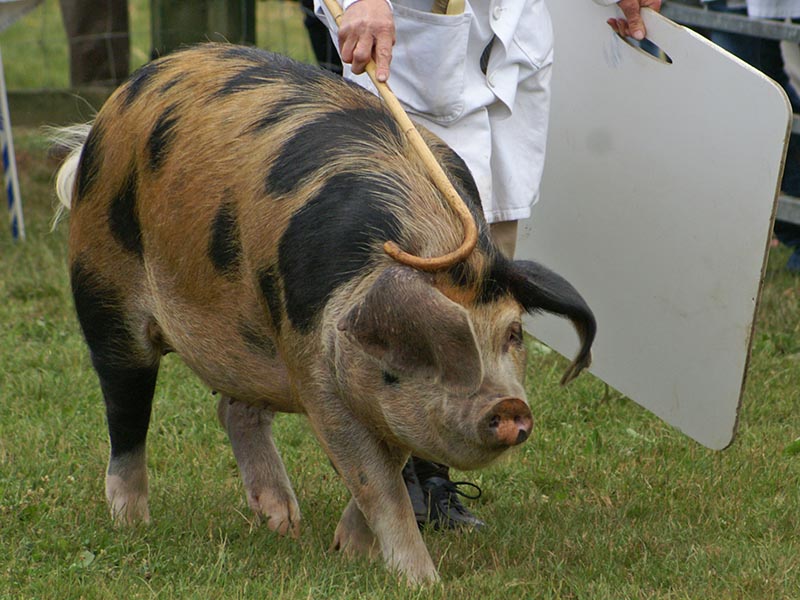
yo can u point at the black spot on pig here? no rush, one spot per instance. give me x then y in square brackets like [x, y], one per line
[122, 217]
[245, 79]
[257, 340]
[275, 113]
[461, 178]
[99, 313]
[139, 81]
[390, 379]
[128, 395]
[320, 141]
[246, 53]
[277, 64]
[495, 282]
[89, 165]
[171, 84]
[268, 68]
[268, 283]
[330, 240]
[127, 379]
[462, 275]
[224, 246]
[492, 283]
[102, 318]
[160, 138]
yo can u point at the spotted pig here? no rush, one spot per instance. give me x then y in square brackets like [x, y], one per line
[230, 205]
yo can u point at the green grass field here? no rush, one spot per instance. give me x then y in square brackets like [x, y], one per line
[604, 500]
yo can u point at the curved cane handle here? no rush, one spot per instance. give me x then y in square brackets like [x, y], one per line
[436, 263]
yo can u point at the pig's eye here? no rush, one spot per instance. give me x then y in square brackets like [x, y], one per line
[390, 379]
[514, 336]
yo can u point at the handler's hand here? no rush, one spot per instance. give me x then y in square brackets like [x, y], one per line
[367, 32]
[632, 25]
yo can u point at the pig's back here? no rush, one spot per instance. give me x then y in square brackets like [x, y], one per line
[238, 178]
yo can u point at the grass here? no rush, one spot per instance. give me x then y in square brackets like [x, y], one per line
[604, 501]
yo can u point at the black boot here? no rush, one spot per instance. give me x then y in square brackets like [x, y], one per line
[435, 498]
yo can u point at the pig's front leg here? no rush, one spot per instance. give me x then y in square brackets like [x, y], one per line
[269, 492]
[371, 470]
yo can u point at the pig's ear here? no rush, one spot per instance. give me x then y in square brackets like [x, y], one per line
[413, 329]
[538, 288]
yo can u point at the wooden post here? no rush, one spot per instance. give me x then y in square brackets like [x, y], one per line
[175, 23]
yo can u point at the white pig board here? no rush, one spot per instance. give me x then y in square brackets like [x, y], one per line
[657, 204]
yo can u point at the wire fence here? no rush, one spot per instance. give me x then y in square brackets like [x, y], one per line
[36, 51]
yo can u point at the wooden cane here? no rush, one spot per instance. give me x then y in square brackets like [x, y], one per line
[436, 263]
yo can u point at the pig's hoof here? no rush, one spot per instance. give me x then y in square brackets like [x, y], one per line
[422, 578]
[281, 513]
[127, 507]
[355, 541]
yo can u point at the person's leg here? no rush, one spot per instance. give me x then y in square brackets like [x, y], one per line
[789, 235]
[504, 234]
[324, 48]
[435, 498]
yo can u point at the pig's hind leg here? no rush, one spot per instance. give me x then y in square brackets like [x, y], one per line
[126, 363]
[269, 492]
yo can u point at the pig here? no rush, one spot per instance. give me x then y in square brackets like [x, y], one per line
[230, 205]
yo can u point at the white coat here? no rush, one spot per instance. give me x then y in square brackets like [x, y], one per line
[497, 121]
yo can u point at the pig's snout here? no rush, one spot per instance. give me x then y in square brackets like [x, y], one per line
[507, 422]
